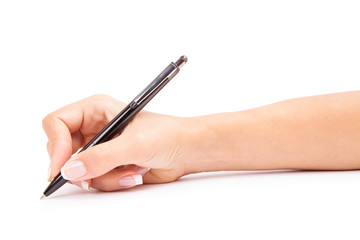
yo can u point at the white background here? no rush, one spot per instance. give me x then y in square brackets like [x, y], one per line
[242, 54]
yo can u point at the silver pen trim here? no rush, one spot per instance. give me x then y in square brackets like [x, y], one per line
[137, 101]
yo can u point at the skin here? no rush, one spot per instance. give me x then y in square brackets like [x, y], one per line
[311, 133]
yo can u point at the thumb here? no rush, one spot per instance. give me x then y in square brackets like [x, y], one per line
[95, 161]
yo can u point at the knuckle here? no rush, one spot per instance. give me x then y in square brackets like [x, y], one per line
[99, 97]
[48, 146]
[47, 120]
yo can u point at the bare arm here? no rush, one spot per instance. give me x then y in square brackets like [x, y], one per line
[320, 132]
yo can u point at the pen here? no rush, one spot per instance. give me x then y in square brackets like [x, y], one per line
[125, 116]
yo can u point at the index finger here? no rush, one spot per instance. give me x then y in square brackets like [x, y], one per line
[59, 127]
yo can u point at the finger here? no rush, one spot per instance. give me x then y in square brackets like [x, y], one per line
[82, 184]
[59, 150]
[64, 127]
[117, 179]
[161, 176]
[140, 170]
[99, 160]
[58, 127]
[156, 176]
[77, 141]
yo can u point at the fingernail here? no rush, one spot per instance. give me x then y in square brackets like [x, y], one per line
[85, 185]
[131, 181]
[73, 170]
[76, 183]
[81, 184]
[142, 170]
[49, 174]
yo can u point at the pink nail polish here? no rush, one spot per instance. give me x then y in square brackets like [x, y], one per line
[142, 170]
[76, 183]
[49, 175]
[81, 184]
[85, 185]
[73, 170]
[131, 181]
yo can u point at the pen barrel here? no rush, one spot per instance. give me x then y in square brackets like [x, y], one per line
[128, 113]
[55, 184]
[112, 128]
[156, 85]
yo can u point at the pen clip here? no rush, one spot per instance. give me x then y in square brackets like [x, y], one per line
[155, 86]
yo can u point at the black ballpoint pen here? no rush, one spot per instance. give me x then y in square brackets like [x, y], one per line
[125, 116]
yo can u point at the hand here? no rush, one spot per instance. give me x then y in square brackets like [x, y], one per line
[151, 141]
[276, 136]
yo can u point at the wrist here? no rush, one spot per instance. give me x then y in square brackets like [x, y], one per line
[213, 143]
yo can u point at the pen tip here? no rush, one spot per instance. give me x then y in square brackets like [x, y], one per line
[42, 197]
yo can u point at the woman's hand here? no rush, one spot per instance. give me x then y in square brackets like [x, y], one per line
[152, 146]
[320, 132]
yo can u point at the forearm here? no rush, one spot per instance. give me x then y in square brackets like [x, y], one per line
[320, 132]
